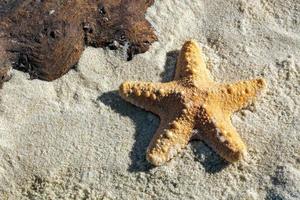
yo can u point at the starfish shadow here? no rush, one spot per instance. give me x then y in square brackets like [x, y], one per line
[146, 125]
[210, 160]
[170, 65]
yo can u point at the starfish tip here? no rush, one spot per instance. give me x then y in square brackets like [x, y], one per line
[193, 44]
[237, 156]
[260, 82]
[124, 88]
[154, 159]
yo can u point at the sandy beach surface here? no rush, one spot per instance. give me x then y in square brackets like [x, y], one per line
[75, 138]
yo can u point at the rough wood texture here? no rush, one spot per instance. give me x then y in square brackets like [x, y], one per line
[46, 38]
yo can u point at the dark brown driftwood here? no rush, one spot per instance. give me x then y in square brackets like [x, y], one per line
[46, 37]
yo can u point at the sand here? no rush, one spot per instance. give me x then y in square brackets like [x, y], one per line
[74, 138]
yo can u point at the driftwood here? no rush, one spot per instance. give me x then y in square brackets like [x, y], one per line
[46, 37]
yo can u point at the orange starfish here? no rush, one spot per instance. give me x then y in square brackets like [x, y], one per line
[193, 101]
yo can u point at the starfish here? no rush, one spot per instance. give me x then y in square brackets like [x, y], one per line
[46, 38]
[193, 101]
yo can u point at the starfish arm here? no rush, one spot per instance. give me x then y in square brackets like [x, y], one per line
[191, 65]
[219, 134]
[232, 97]
[169, 139]
[146, 95]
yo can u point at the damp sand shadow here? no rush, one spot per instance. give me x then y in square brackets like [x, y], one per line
[170, 64]
[146, 124]
[210, 160]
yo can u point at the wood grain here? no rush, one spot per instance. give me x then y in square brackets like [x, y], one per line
[46, 37]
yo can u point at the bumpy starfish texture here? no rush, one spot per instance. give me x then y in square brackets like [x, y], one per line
[193, 101]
